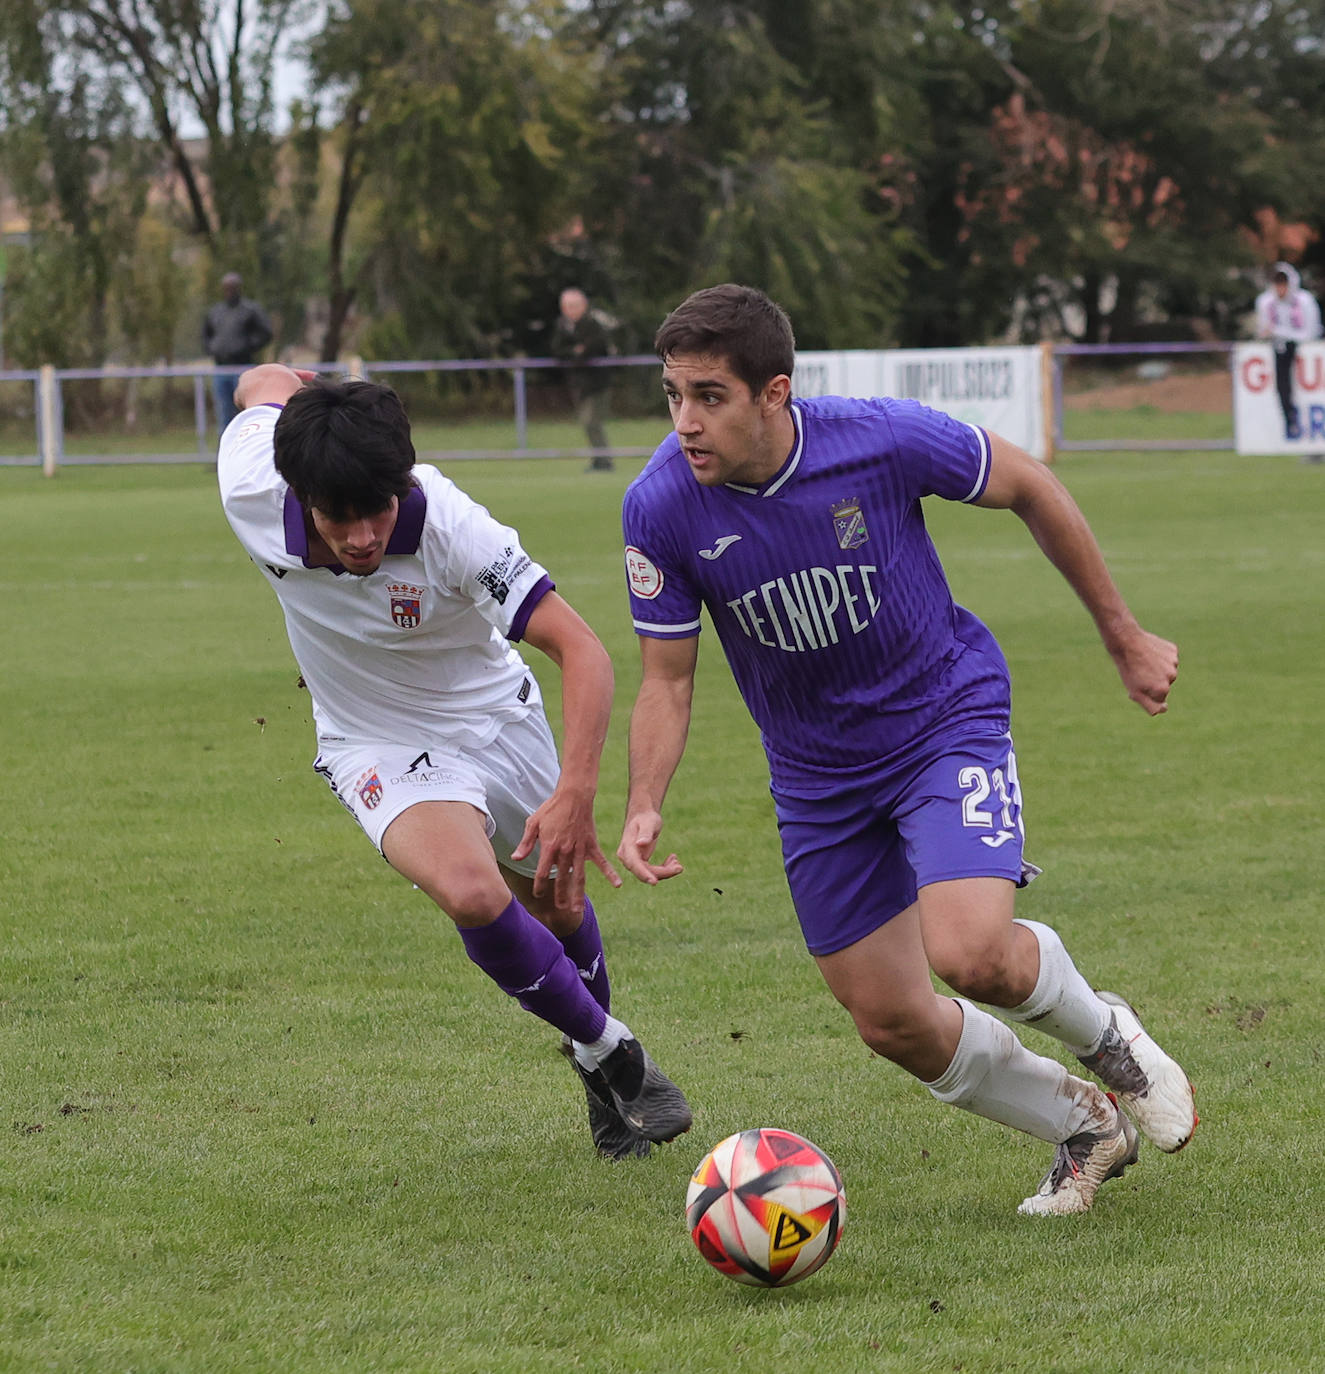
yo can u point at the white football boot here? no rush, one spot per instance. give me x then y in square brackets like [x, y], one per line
[1081, 1164]
[1153, 1089]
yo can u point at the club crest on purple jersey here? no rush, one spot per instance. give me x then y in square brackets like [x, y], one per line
[406, 605]
[849, 524]
[369, 788]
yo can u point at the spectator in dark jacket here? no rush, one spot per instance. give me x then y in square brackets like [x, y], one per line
[234, 331]
[579, 337]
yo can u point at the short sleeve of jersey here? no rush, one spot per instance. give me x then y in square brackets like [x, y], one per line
[252, 491]
[664, 604]
[480, 557]
[947, 457]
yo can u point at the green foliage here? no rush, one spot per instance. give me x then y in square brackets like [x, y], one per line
[468, 137]
[69, 148]
[95, 102]
[1090, 156]
[912, 173]
[46, 305]
[262, 1115]
[152, 293]
[726, 160]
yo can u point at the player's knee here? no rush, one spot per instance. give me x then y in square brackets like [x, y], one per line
[894, 1034]
[473, 898]
[989, 974]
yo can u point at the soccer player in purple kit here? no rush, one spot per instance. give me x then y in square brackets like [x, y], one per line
[403, 601]
[884, 710]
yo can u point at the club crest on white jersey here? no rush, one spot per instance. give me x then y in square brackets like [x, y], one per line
[406, 605]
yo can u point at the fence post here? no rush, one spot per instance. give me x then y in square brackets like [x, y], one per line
[521, 410]
[1048, 398]
[200, 414]
[48, 415]
[354, 368]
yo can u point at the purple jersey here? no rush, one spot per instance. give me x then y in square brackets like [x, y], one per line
[824, 587]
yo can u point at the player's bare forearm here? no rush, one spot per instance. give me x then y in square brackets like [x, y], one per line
[659, 725]
[1147, 664]
[586, 687]
[563, 826]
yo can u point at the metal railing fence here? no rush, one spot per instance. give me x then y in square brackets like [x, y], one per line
[47, 411]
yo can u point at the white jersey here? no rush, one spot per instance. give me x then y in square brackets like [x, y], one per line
[423, 645]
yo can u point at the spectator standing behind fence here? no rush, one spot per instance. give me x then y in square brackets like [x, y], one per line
[580, 337]
[1287, 314]
[234, 331]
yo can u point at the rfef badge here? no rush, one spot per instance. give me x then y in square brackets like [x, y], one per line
[849, 524]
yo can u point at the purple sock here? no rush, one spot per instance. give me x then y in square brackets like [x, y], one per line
[525, 959]
[585, 950]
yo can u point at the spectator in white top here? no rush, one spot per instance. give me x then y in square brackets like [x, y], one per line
[1287, 314]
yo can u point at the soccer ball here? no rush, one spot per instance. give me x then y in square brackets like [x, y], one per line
[766, 1207]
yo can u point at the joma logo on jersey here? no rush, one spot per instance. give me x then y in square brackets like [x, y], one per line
[406, 605]
[849, 524]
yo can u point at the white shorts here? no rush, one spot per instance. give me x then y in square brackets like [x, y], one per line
[507, 780]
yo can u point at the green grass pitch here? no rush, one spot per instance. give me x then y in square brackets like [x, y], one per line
[260, 1113]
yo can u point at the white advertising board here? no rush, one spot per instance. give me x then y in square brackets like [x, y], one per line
[1258, 418]
[998, 388]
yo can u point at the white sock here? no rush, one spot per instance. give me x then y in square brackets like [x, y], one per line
[591, 1055]
[994, 1075]
[1062, 1003]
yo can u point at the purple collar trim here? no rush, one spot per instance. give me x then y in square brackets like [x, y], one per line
[404, 538]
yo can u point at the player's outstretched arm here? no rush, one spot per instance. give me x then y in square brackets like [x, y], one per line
[1147, 664]
[659, 724]
[563, 827]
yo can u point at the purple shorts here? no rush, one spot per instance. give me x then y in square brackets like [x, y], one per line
[856, 857]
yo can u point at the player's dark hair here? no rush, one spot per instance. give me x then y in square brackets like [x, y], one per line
[1280, 275]
[738, 324]
[344, 447]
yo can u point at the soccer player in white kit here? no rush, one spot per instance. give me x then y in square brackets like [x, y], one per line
[403, 600]
[884, 710]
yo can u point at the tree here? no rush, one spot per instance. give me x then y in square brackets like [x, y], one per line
[1172, 162]
[458, 126]
[209, 63]
[98, 94]
[68, 147]
[719, 155]
[1086, 155]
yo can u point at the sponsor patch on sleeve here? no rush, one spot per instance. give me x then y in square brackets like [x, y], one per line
[499, 576]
